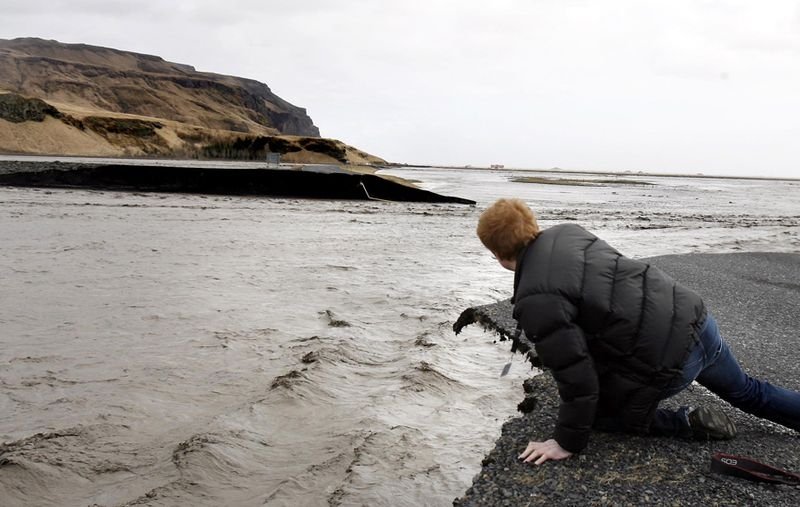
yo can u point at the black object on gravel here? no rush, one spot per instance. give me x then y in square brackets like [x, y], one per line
[755, 298]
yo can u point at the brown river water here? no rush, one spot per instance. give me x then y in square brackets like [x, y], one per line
[163, 349]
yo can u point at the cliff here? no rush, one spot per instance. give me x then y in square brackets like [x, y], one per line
[77, 99]
[123, 82]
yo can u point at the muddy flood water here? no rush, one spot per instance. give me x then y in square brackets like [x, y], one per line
[163, 349]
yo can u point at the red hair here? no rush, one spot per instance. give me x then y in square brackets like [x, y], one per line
[506, 227]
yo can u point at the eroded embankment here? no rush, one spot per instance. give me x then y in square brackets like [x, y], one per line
[219, 181]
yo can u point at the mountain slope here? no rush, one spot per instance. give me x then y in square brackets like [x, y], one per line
[107, 79]
[77, 99]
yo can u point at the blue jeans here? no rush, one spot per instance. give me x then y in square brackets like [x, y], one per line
[712, 364]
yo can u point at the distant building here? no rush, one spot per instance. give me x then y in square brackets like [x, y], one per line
[496, 166]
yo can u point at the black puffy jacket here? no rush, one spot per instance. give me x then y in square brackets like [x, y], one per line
[614, 331]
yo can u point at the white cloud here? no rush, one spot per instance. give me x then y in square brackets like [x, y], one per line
[664, 85]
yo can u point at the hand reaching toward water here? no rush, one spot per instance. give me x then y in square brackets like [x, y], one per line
[544, 451]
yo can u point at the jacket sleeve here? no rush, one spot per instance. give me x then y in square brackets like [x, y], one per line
[549, 322]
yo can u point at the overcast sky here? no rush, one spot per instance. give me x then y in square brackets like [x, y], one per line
[682, 86]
